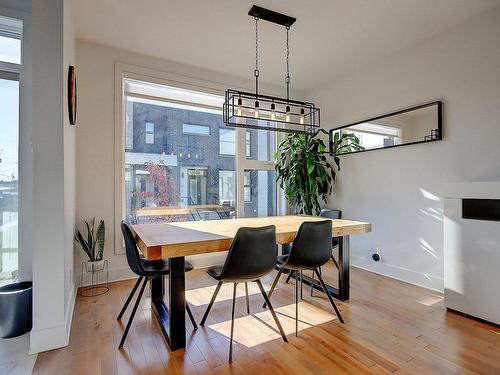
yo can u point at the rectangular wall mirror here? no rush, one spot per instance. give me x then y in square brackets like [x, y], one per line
[418, 124]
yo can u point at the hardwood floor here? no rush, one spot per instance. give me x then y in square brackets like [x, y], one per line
[391, 327]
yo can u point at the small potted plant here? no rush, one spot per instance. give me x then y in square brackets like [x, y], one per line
[93, 246]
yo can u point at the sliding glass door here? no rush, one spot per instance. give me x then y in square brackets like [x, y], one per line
[182, 163]
[10, 67]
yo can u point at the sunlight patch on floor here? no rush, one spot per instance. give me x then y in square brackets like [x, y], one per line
[202, 296]
[263, 327]
[430, 300]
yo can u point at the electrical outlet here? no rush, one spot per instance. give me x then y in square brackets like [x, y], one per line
[377, 256]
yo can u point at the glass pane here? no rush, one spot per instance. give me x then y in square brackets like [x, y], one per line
[260, 189]
[260, 144]
[10, 50]
[196, 129]
[11, 30]
[227, 141]
[9, 141]
[180, 177]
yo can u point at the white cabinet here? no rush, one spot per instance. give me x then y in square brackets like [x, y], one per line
[472, 255]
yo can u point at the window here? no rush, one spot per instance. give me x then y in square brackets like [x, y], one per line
[196, 129]
[227, 187]
[260, 193]
[260, 144]
[150, 133]
[247, 188]
[10, 40]
[248, 145]
[177, 177]
[227, 141]
[10, 52]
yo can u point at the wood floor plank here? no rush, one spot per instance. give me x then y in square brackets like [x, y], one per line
[391, 328]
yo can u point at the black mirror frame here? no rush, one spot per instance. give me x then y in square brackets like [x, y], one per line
[439, 104]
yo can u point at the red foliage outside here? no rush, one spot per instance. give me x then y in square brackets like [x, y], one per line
[167, 194]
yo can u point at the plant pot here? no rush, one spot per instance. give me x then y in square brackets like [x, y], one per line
[16, 309]
[94, 267]
[93, 270]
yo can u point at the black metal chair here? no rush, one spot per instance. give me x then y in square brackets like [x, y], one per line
[145, 269]
[311, 249]
[251, 256]
[330, 214]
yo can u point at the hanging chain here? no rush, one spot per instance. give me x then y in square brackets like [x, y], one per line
[256, 71]
[287, 78]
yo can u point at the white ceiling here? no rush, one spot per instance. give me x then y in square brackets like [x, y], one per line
[329, 38]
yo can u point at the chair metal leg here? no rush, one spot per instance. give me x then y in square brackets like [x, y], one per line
[275, 317]
[289, 276]
[248, 299]
[202, 323]
[232, 325]
[188, 309]
[296, 306]
[335, 262]
[312, 284]
[274, 284]
[329, 295]
[301, 284]
[133, 313]
[129, 298]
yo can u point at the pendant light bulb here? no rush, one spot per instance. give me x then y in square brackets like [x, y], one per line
[256, 109]
[238, 108]
[302, 116]
[287, 115]
[273, 111]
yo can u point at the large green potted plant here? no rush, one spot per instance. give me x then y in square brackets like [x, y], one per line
[304, 169]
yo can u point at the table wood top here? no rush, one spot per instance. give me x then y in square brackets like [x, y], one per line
[168, 240]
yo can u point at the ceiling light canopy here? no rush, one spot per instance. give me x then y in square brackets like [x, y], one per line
[257, 111]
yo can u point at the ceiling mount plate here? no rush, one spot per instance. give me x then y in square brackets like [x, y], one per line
[271, 16]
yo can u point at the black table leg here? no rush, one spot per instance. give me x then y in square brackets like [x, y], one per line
[172, 319]
[344, 252]
[342, 293]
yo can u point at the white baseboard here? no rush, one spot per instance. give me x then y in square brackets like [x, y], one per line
[423, 280]
[56, 337]
[124, 273]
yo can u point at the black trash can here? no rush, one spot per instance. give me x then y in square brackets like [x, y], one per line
[15, 309]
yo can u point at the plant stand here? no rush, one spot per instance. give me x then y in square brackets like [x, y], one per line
[92, 270]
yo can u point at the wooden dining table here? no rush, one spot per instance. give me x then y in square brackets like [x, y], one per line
[175, 241]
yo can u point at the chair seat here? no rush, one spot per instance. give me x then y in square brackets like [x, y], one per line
[215, 271]
[160, 267]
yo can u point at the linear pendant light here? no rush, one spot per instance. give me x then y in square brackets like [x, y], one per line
[257, 111]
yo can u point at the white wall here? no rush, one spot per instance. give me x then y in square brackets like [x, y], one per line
[53, 176]
[95, 172]
[69, 159]
[400, 190]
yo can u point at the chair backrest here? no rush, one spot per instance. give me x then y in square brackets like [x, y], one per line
[331, 213]
[251, 255]
[132, 252]
[312, 246]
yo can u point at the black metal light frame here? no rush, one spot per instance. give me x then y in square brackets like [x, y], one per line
[256, 111]
[311, 114]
